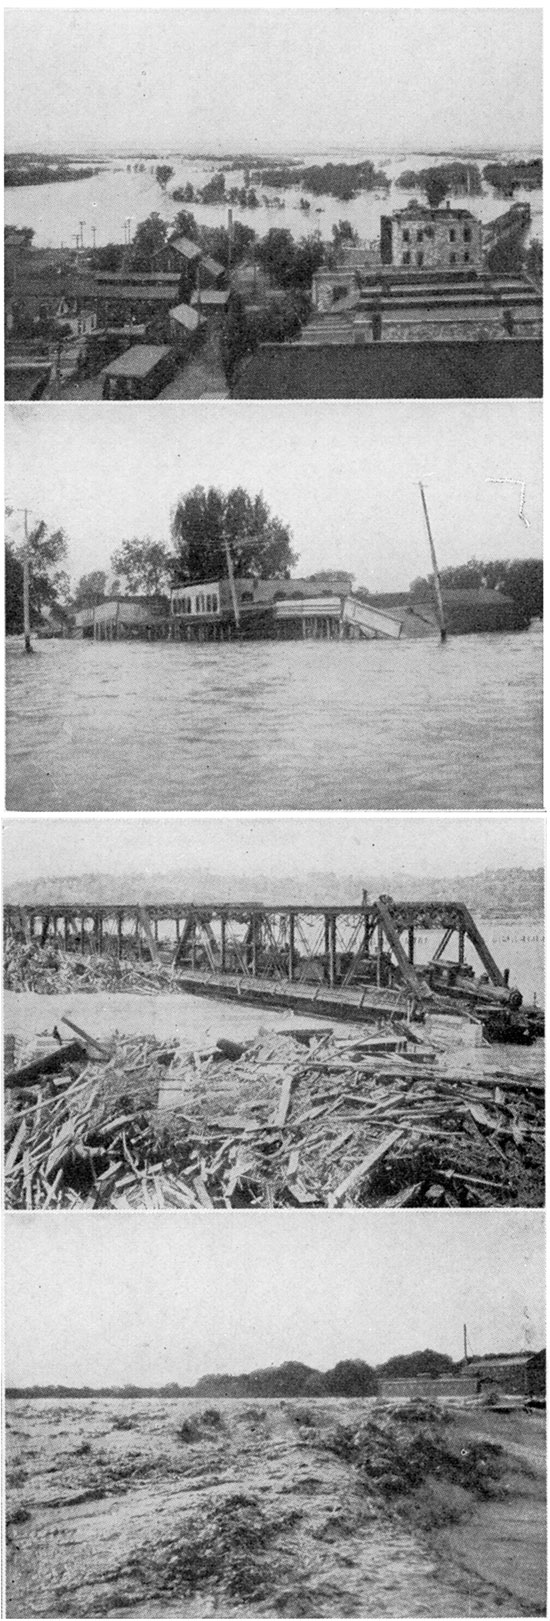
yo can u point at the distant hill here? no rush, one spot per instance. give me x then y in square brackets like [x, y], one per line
[498, 892]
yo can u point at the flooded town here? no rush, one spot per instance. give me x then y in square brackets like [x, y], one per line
[354, 625]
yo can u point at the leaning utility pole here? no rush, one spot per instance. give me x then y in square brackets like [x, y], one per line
[26, 591]
[437, 581]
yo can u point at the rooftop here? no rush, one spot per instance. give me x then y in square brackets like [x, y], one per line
[186, 317]
[137, 362]
[421, 210]
[183, 245]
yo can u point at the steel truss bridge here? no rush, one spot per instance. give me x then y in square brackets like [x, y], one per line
[356, 959]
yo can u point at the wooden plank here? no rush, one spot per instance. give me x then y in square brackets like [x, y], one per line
[284, 1101]
[41, 1068]
[365, 1165]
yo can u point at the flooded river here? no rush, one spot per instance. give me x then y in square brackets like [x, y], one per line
[156, 1507]
[268, 726]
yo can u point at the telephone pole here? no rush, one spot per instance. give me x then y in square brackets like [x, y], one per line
[437, 581]
[26, 591]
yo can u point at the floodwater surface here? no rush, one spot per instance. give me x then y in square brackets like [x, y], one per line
[276, 725]
[154, 1507]
[121, 190]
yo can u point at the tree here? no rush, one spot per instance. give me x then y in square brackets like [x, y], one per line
[185, 224]
[146, 565]
[344, 234]
[184, 194]
[149, 240]
[109, 257]
[48, 585]
[533, 260]
[203, 521]
[351, 1378]
[276, 253]
[163, 173]
[214, 190]
[436, 187]
[90, 590]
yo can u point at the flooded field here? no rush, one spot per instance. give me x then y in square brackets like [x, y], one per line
[120, 189]
[155, 1507]
[334, 726]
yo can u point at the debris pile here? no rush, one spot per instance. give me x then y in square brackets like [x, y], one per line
[395, 1458]
[50, 970]
[294, 1118]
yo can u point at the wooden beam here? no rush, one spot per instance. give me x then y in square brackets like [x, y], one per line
[148, 932]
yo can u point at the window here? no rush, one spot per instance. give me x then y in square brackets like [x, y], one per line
[189, 605]
[406, 236]
[452, 236]
[452, 258]
[406, 259]
[209, 605]
[420, 258]
[197, 605]
[420, 236]
[467, 233]
[214, 604]
[466, 258]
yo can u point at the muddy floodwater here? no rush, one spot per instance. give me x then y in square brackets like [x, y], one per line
[157, 1507]
[268, 726]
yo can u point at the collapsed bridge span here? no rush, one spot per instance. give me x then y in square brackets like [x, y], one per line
[386, 958]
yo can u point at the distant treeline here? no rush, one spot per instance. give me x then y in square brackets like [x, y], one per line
[343, 180]
[44, 174]
[447, 177]
[347, 1378]
[505, 177]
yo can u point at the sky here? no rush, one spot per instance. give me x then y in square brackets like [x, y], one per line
[272, 79]
[345, 480]
[270, 847]
[139, 1299]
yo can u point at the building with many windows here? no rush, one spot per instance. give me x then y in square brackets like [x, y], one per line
[421, 238]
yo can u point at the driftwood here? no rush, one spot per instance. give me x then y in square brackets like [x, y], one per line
[276, 1123]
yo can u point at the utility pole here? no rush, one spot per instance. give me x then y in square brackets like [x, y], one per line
[437, 581]
[230, 244]
[465, 1344]
[93, 237]
[26, 591]
[231, 577]
[82, 224]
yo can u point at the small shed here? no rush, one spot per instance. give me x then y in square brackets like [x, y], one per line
[185, 327]
[212, 302]
[139, 374]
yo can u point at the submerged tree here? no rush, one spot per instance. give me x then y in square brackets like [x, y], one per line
[205, 522]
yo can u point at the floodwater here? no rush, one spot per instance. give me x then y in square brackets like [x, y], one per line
[104, 202]
[112, 1512]
[275, 725]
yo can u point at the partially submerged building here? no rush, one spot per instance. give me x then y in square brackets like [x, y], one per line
[123, 619]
